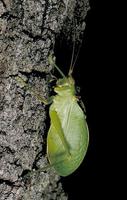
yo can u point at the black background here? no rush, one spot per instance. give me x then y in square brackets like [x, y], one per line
[92, 74]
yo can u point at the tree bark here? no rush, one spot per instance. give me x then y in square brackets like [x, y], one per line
[28, 29]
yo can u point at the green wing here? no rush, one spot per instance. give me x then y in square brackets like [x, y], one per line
[68, 134]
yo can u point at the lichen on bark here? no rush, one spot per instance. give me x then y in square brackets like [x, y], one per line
[28, 29]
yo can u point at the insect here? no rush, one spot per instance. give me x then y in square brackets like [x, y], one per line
[68, 135]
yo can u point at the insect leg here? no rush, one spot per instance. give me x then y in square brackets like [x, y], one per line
[57, 124]
[40, 98]
[81, 104]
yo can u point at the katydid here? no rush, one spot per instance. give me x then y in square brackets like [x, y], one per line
[68, 135]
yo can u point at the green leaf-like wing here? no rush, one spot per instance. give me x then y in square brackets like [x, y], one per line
[68, 134]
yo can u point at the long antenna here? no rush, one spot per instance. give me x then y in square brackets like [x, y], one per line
[72, 64]
[72, 58]
[76, 57]
[62, 74]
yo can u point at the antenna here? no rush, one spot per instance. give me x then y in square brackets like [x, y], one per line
[62, 74]
[72, 58]
[72, 64]
[76, 57]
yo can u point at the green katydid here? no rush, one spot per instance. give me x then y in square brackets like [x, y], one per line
[68, 135]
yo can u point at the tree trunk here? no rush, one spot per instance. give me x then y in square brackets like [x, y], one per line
[28, 31]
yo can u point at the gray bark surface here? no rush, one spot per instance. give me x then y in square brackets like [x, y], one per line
[27, 36]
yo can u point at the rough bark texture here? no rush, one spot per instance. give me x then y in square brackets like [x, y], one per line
[27, 36]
